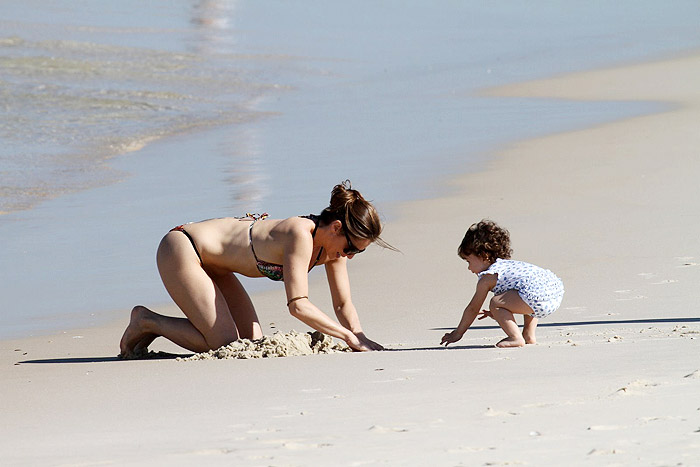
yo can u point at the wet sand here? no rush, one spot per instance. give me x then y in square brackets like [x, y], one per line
[612, 380]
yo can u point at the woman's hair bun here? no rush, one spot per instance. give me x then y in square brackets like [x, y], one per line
[342, 195]
[358, 216]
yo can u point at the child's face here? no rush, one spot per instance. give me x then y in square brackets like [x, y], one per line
[477, 264]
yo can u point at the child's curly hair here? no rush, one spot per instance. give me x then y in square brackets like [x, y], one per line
[486, 240]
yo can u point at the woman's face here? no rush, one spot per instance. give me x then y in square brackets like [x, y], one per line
[345, 245]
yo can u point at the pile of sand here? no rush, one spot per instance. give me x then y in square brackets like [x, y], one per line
[278, 345]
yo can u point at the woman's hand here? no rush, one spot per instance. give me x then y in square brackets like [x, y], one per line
[356, 344]
[360, 343]
[368, 342]
[451, 337]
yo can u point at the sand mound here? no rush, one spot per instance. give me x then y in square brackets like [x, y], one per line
[277, 345]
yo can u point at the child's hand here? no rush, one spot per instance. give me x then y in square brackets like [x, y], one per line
[485, 314]
[451, 337]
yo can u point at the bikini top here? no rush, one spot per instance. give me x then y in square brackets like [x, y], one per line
[274, 271]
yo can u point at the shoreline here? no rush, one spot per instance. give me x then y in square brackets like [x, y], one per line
[607, 208]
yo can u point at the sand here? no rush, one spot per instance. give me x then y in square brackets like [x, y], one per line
[613, 380]
[280, 344]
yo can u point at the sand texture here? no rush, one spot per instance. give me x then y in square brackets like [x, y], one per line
[613, 379]
[280, 344]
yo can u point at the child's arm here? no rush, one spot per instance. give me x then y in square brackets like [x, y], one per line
[485, 284]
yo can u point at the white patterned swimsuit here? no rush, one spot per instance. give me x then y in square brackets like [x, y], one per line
[540, 288]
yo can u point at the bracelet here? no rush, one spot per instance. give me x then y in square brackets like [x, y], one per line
[296, 298]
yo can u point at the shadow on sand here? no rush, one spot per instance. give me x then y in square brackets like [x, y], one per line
[171, 356]
[149, 356]
[594, 323]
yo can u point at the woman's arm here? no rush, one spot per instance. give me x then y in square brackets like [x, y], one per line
[339, 284]
[485, 284]
[297, 255]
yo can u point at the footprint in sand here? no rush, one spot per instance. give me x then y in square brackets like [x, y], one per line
[292, 414]
[636, 297]
[295, 446]
[467, 449]
[686, 261]
[665, 281]
[685, 331]
[626, 291]
[386, 429]
[211, 452]
[263, 431]
[647, 420]
[393, 380]
[638, 387]
[605, 427]
[604, 452]
[498, 413]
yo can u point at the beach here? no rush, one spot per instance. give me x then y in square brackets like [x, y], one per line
[119, 126]
[613, 379]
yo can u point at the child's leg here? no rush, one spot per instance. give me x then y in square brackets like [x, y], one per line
[529, 329]
[502, 308]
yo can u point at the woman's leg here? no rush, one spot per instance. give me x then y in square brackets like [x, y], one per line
[146, 325]
[502, 308]
[209, 324]
[240, 306]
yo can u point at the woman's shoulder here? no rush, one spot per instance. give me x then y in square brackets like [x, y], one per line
[296, 224]
[294, 229]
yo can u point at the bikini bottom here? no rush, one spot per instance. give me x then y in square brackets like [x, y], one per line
[180, 228]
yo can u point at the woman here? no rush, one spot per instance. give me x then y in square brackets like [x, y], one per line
[198, 261]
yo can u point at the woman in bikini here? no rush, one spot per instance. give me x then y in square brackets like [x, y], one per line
[198, 263]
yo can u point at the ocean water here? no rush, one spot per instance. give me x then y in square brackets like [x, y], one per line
[122, 119]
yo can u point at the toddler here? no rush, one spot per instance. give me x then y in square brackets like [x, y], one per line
[518, 287]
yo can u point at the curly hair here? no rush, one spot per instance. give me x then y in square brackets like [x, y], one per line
[486, 240]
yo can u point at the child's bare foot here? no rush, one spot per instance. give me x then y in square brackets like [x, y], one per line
[135, 338]
[511, 342]
[529, 338]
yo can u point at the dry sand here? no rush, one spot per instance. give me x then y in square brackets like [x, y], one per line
[614, 379]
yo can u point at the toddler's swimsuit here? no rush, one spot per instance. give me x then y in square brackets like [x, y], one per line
[540, 288]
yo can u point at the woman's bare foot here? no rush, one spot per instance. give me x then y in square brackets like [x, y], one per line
[510, 342]
[136, 337]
